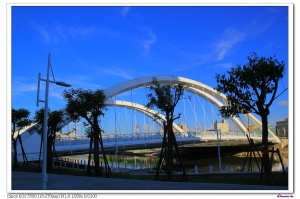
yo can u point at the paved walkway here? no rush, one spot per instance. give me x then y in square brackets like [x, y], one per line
[33, 181]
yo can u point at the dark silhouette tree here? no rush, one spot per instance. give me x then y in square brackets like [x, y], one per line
[88, 134]
[165, 98]
[252, 88]
[55, 124]
[39, 120]
[19, 120]
[89, 105]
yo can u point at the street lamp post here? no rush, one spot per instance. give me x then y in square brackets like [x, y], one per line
[219, 155]
[116, 139]
[45, 126]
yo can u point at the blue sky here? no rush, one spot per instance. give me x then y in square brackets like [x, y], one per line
[100, 46]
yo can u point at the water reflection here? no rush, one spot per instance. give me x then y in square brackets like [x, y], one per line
[230, 163]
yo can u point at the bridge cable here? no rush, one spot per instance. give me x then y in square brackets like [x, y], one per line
[132, 113]
[126, 117]
[194, 113]
[205, 115]
[185, 111]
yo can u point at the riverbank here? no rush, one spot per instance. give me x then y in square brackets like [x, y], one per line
[283, 152]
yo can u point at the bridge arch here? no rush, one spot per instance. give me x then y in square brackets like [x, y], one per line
[145, 110]
[196, 87]
[193, 86]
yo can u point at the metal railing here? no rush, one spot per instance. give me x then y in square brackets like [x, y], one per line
[64, 141]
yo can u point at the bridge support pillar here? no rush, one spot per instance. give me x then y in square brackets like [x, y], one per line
[196, 169]
[226, 169]
[210, 169]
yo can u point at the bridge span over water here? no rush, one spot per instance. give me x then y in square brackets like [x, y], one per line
[113, 143]
[31, 140]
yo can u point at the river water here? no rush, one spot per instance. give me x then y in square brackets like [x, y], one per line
[144, 159]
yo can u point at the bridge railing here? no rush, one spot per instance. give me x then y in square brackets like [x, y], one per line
[114, 138]
[147, 137]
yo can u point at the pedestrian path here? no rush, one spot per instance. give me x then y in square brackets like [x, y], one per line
[33, 181]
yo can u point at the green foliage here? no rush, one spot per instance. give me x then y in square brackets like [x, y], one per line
[165, 98]
[55, 118]
[252, 88]
[54, 121]
[85, 103]
[248, 86]
[89, 105]
[19, 119]
[39, 119]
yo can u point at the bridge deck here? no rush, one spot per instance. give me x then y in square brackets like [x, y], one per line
[81, 146]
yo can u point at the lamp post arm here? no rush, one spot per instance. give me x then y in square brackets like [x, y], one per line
[38, 90]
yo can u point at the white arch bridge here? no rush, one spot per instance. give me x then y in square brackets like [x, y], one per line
[133, 140]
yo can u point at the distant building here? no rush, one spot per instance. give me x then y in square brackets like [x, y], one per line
[252, 127]
[282, 128]
[223, 126]
[183, 127]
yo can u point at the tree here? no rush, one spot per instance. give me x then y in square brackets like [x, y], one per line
[55, 124]
[90, 106]
[252, 88]
[166, 99]
[88, 134]
[20, 119]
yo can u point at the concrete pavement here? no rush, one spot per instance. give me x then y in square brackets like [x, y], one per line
[33, 181]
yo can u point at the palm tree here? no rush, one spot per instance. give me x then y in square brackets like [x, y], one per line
[20, 119]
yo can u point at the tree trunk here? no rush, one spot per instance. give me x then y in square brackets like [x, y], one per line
[162, 152]
[41, 144]
[184, 177]
[265, 147]
[96, 152]
[23, 151]
[15, 154]
[170, 152]
[106, 165]
[89, 158]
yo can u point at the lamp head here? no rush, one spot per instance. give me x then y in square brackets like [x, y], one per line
[63, 84]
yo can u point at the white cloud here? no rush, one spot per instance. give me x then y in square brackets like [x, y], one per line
[82, 81]
[19, 88]
[230, 39]
[61, 33]
[118, 72]
[45, 34]
[283, 103]
[125, 10]
[149, 42]
[227, 65]
[56, 94]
